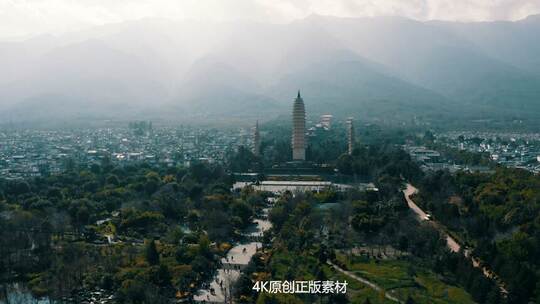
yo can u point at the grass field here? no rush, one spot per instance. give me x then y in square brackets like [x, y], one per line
[357, 292]
[401, 279]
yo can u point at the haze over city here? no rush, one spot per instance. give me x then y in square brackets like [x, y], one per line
[269, 151]
[246, 58]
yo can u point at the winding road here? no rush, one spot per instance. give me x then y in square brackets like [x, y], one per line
[452, 244]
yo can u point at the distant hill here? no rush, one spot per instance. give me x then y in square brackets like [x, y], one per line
[353, 85]
[375, 68]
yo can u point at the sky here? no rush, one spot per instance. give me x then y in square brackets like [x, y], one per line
[23, 18]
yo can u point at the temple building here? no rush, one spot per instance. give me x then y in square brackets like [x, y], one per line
[350, 135]
[326, 121]
[256, 140]
[299, 129]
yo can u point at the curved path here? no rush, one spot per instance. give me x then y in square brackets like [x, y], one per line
[452, 244]
[364, 281]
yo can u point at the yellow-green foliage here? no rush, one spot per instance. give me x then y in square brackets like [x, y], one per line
[406, 279]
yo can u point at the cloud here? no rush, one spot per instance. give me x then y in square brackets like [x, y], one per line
[455, 10]
[27, 17]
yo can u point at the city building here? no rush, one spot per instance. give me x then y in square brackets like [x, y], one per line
[326, 121]
[299, 129]
[256, 140]
[350, 135]
[33, 153]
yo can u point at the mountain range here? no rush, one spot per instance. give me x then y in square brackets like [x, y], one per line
[388, 68]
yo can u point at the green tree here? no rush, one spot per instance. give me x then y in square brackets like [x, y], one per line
[113, 180]
[243, 211]
[163, 276]
[152, 255]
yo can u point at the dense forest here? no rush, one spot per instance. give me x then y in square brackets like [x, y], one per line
[497, 214]
[169, 227]
[306, 235]
[147, 234]
[379, 161]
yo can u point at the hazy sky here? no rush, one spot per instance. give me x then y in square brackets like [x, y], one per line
[30, 17]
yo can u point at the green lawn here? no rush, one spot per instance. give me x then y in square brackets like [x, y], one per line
[357, 292]
[402, 279]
